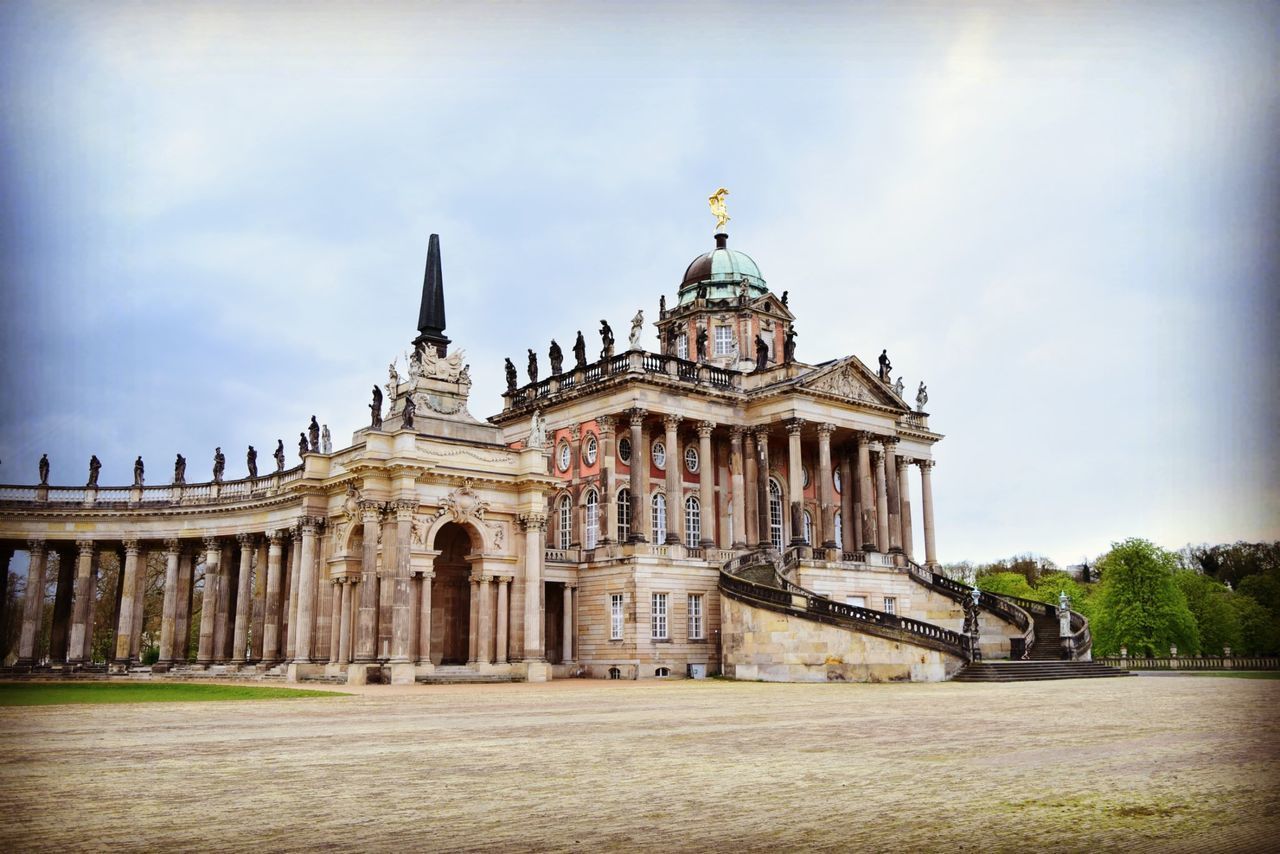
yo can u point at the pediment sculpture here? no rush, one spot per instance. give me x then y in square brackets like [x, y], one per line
[463, 504]
[843, 382]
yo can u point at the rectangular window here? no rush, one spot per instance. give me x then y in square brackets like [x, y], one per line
[615, 616]
[695, 616]
[658, 621]
[724, 340]
[890, 605]
[682, 346]
[856, 601]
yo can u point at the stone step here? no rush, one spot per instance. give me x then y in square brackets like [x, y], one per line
[1026, 671]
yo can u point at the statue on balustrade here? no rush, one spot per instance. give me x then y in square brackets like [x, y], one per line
[279, 454]
[637, 326]
[137, 471]
[251, 460]
[326, 440]
[512, 377]
[700, 343]
[789, 346]
[899, 387]
[44, 469]
[95, 466]
[375, 409]
[606, 340]
[180, 470]
[302, 445]
[885, 366]
[579, 351]
[533, 367]
[219, 465]
[662, 306]
[762, 352]
[410, 409]
[537, 431]
[784, 298]
[314, 432]
[556, 355]
[922, 397]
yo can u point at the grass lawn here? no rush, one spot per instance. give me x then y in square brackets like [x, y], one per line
[63, 693]
[1244, 674]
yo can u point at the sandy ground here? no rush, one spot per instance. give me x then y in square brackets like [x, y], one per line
[1186, 764]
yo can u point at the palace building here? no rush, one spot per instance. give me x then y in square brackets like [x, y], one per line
[715, 507]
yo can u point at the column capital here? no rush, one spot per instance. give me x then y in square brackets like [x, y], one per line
[245, 539]
[275, 538]
[794, 426]
[671, 421]
[606, 423]
[890, 443]
[505, 579]
[903, 462]
[825, 429]
[477, 577]
[426, 575]
[533, 521]
[404, 508]
[86, 547]
[636, 417]
[132, 547]
[171, 546]
[736, 432]
[35, 546]
[760, 433]
[309, 525]
[571, 585]
[705, 428]
[925, 465]
[295, 533]
[212, 544]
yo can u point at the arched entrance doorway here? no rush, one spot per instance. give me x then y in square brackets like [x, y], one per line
[451, 596]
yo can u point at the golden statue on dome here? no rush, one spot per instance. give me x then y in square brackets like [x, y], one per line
[716, 200]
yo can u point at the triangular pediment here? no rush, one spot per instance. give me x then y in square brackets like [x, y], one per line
[850, 379]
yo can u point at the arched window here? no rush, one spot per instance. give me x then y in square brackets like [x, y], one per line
[566, 522]
[775, 514]
[692, 523]
[659, 518]
[593, 520]
[615, 673]
[624, 515]
[839, 530]
[808, 529]
[662, 672]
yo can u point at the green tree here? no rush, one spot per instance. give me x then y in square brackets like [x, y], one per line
[1140, 605]
[1210, 602]
[1050, 584]
[1006, 583]
[1259, 629]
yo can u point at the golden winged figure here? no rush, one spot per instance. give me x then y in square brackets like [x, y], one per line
[716, 200]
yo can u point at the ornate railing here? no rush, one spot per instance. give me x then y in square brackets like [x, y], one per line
[687, 371]
[114, 495]
[654, 363]
[1081, 638]
[1195, 662]
[561, 556]
[719, 377]
[160, 495]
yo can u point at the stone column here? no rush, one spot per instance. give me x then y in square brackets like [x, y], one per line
[271, 622]
[81, 628]
[890, 478]
[139, 599]
[128, 604]
[244, 600]
[504, 618]
[367, 618]
[639, 502]
[209, 601]
[64, 593]
[259, 621]
[6, 555]
[848, 515]
[706, 486]
[608, 479]
[473, 624]
[424, 619]
[762, 488]
[224, 622]
[926, 502]
[795, 480]
[882, 502]
[485, 647]
[535, 527]
[307, 591]
[182, 618]
[295, 583]
[344, 623]
[737, 489]
[867, 514]
[402, 603]
[567, 630]
[750, 491]
[387, 582]
[33, 604]
[169, 612]
[335, 622]
[91, 609]
[675, 490]
[904, 500]
[826, 488]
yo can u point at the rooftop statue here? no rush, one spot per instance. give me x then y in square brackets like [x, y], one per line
[700, 343]
[326, 441]
[637, 324]
[762, 352]
[219, 465]
[393, 380]
[180, 469]
[580, 351]
[885, 365]
[375, 409]
[512, 377]
[251, 461]
[313, 430]
[138, 470]
[899, 387]
[922, 397]
[302, 445]
[662, 305]
[95, 466]
[537, 430]
[533, 367]
[789, 346]
[784, 297]
[279, 454]
[606, 340]
[718, 210]
[410, 409]
[44, 469]
[556, 357]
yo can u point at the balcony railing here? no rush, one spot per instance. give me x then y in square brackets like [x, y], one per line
[162, 495]
[632, 361]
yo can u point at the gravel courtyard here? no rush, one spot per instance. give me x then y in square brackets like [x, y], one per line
[1145, 763]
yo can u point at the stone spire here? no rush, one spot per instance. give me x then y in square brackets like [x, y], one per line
[431, 313]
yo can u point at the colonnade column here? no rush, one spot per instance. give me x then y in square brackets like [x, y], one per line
[535, 526]
[124, 632]
[424, 619]
[607, 478]
[926, 500]
[904, 499]
[402, 596]
[344, 622]
[867, 522]
[6, 555]
[223, 633]
[639, 502]
[91, 607]
[762, 488]
[244, 600]
[60, 629]
[473, 624]
[367, 618]
[848, 514]
[826, 487]
[81, 628]
[675, 491]
[169, 612]
[258, 620]
[33, 604]
[295, 584]
[891, 494]
[209, 600]
[485, 651]
[335, 620]
[750, 491]
[504, 618]
[706, 486]
[795, 480]
[306, 591]
[737, 487]
[882, 502]
[567, 630]
[271, 623]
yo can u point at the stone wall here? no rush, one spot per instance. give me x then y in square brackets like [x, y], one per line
[774, 647]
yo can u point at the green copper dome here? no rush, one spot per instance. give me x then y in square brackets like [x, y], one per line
[722, 271]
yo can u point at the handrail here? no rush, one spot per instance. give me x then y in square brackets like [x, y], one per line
[165, 494]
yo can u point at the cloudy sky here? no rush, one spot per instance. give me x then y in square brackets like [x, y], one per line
[1061, 216]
